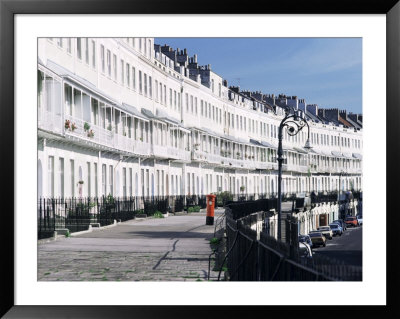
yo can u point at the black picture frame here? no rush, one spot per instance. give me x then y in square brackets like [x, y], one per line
[8, 10]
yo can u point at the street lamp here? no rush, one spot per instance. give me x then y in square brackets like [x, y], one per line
[294, 123]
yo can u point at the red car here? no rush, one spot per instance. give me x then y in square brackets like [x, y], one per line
[351, 221]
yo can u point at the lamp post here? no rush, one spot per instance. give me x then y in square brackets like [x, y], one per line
[294, 123]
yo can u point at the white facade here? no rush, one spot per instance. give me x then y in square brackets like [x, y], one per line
[116, 116]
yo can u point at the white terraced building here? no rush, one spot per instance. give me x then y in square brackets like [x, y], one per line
[127, 117]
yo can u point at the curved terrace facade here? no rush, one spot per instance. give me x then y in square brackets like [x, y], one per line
[128, 117]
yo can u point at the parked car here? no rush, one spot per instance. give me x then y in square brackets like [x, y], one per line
[305, 239]
[351, 221]
[341, 223]
[326, 231]
[305, 250]
[359, 219]
[317, 238]
[336, 229]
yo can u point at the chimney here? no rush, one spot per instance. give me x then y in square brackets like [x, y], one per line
[184, 51]
[195, 58]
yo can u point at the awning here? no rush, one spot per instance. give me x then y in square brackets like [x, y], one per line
[287, 148]
[85, 84]
[132, 110]
[206, 130]
[337, 154]
[148, 113]
[347, 155]
[357, 155]
[255, 142]
[266, 144]
[300, 150]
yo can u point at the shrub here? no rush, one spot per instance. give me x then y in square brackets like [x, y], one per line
[194, 209]
[158, 214]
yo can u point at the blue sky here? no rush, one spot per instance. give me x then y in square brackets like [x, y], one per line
[323, 71]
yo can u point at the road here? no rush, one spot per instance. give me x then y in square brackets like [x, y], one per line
[347, 248]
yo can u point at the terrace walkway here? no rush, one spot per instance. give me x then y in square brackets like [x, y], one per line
[175, 248]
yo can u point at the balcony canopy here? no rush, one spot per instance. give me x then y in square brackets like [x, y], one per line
[337, 154]
[133, 111]
[300, 150]
[357, 155]
[76, 79]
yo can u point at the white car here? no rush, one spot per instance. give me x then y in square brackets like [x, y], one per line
[359, 219]
[326, 231]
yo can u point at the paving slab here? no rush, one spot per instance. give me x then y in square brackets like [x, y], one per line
[176, 248]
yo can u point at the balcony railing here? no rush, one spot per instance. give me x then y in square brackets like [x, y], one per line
[50, 121]
[102, 136]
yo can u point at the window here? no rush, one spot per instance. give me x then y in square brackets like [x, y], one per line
[87, 50]
[69, 45]
[179, 101]
[111, 180]
[95, 180]
[219, 89]
[195, 105]
[50, 176]
[145, 84]
[109, 62]
[150, 87]
[170, 98]
[61, 174]
[72, 174]
[130, 182]
[115, 67]
[174, 99]
[212, 85]
[165, 95]
[156, 87]
[124, 182]
[161, 96]
[191, 104]
[128, 75]
[102, 58]
[104, 179]
[79, 48]
[122, 72]
[140, 82]
[134, 78]
[89, 191]
[93, 54]
[149, 48]
[201, 107]
[59, 42]
[68, 99]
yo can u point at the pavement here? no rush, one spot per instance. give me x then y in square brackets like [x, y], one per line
[176, 248]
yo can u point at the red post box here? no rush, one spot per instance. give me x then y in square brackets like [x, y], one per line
[210, 209]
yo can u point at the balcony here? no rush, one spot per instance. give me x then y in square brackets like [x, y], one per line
[104, 137]
[201, 156]
[178, 154]
[50, 121]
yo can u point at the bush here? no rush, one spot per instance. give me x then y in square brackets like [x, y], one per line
[194, 209]
[223, 197]
[158, 214]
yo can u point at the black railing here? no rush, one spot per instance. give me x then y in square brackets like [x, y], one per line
[250, 258]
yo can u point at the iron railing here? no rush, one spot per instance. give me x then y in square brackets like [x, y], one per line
[267, 259]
